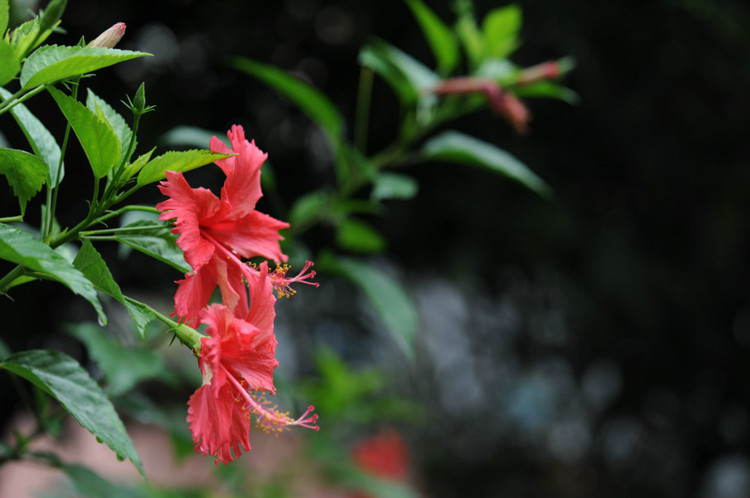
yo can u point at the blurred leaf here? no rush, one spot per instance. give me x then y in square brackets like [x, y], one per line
[25, 173]
[53, 63]
[387, 297]
[41, 140]
[358, 236]
[309, 207]
[175, 160]
[440, 37]
[468, 32]
[307, 98]
[191, 136]
[63, 378]
[500, 30]
[94, 268]
[377, 487]
[21, 248]
[10, 65]
[123, 367]
[501, 70]
[394, 186]
[96, 135]
[549, 89]
[91, 485]
[102, 109]
[4, 350]
[407, 76]
[456, 147]
[342, 393]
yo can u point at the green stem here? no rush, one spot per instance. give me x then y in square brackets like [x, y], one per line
[362, 116]
[117, 212]
[89, 233]
[18, 97]
[114, 184]
[53, 190]
[187, 335]
[11, 219]
[10, 277]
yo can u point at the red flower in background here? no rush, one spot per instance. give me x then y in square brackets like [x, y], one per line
[384, 455]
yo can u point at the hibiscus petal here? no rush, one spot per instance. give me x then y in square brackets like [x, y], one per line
[256, 234]
[219, 422]
[189, 207]
[262, 301]
[194, 292]
[239, 346]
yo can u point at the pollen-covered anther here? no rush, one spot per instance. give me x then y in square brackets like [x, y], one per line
[282, 283]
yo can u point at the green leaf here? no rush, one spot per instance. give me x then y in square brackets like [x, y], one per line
[456, 147]
[41, 140]
[96, 135]
[137, 165]
[394, 186]
[62, 377]
[25, 172]
[4, 350]
[307, 98]
[500, 30]
[358, 236]
[501, 70]
[174, 160]
[123, 367]
[469, 34]
[190, 135]
[140, 314]
[9, 61]
[88, 484]
[89, 262]
[377, 487]
[21, 248]
[387, 297]
[442, 41]
[53, 63]
[309, 207]
[407, 76]
[27, 36]
[4, 16]
[162, 248]
[105, 112]
[547, 89]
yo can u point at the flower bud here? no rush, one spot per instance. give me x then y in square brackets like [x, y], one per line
[110, 37]
[139, 102]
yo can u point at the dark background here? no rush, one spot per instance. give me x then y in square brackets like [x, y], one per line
[639, 262]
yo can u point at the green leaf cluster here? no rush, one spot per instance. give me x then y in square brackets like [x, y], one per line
[67, 255]
[480, 50]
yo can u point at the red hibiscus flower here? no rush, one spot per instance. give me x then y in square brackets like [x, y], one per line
[213, 229]
[237, 357]
[205, 221]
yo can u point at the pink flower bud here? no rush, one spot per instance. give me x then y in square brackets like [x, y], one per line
[545, 71]
[500, 101]
[110, 37]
